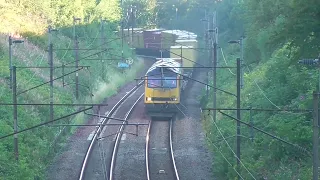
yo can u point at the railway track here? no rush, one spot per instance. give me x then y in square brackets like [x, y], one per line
[99, 133]
[160, 161]
[118, 138]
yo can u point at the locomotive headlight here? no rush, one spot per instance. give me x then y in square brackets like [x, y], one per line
[149, 99]
[175, 99]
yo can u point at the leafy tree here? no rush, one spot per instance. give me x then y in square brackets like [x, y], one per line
[30, 19]
[278, 33]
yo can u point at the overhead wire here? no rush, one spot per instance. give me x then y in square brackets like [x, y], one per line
[43, 84]
[48, 82]
[62, 58]
[263, 93]
[42, 58]
[231, 148]
[66, 51]
[94, 53]
[87, 56]
[93, 39]
[226, 62]
[266, 133]
[83, 52]
[94, 47]
[199, 82]
[184, 57]
[190, 47]
[207, 84]
[85, 32]
[44, 123]
[34, 72]
[114, 39]
[185, 114]
[225, 158]
[196, 49]
[262, 90]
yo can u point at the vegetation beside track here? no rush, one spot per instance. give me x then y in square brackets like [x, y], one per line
[278, 34]
[29, 20]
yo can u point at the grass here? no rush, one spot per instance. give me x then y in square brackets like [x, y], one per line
[117, 79]
[265, 157]
[36, 146]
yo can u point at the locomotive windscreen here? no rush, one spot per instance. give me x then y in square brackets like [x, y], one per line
[162, 78]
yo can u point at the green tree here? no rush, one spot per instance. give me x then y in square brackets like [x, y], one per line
[278, 33]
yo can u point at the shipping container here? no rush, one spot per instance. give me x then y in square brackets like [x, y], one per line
[137, 37]
[187, 42]
[189, 55]
[168, 39]
[185, 34]
[138, 41]
[152, 39]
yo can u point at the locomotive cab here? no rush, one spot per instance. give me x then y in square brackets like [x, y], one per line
[162, 89]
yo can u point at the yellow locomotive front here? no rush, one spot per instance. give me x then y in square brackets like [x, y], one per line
[163, 88]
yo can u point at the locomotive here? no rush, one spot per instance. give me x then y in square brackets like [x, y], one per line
[176, 54]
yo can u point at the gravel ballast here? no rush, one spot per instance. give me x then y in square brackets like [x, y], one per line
[67, 164]
[192, 157]
[131, 155]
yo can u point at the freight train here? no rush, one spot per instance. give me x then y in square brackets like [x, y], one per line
[166, 79]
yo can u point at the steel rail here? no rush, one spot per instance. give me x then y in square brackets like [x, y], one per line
[172, 154]
[98, 131]
[118, 138]
[147, 150]
[171, 151]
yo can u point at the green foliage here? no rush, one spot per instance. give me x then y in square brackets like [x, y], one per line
[144, 12]
[278, 34]
[29, 19]
[34, 16]
[274, 84]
